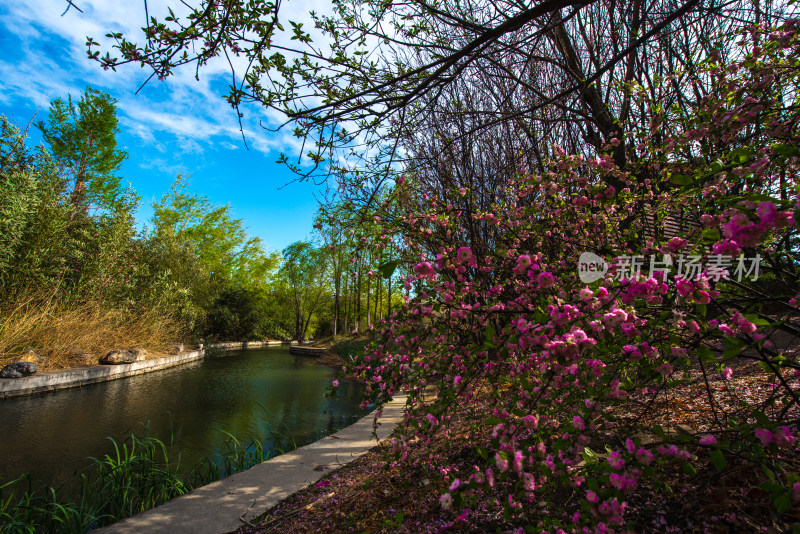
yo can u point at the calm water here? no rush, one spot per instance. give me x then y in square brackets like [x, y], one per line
[266, 394]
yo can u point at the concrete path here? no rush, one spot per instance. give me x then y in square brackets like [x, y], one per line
[217, 507]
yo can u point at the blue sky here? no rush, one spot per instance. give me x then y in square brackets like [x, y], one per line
[177, 126]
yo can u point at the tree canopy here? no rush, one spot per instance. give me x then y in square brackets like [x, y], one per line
[82, 138]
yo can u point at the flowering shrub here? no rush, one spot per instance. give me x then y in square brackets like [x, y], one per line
[584, 378]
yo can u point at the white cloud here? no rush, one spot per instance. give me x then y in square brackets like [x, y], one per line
[49, 61]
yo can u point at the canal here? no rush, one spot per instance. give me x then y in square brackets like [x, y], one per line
[265, 394]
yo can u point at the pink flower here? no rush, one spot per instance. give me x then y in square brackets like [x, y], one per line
[591, 496]
[707, 219]
[784, 437]
[771, 217]
[615, 460]
[519, 458]
[676, 244]
[529, 482]
[672, 450]
[701, 297]
[684, 287]
[765, 436]
[644, 457]
[679, 352]
[622, 482]
[523, 262]
[464, 255]
[726, 248]
[743, 231]
[335, 383]
[577, 422]
[727, 373]
[545, 280]
[446, 501]
[455, 485]
[530, 422]
[664, 369]
[502, 463]
[423, 269]
[708, 439]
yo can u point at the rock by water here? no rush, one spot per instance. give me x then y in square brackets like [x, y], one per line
[174, 348]
[18, 370]
[30, 355]
[117, 357]
[139, 353]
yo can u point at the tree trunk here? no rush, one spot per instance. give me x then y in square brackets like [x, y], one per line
[369, 320]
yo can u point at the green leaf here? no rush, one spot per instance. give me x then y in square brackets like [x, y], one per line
[786, 150]
[681, 179]
[718, 460]
[705, 354]
[762, 419]
[730, 353]
[771, 486]
[387, 269]
[689, 469]
[782, 502]
[489, 336]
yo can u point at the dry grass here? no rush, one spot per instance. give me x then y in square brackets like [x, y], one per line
[77, 334]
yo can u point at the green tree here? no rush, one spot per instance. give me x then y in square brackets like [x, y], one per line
[219, 240]
[82, 137]
[33, 218]
[304, 273]
[203, 251]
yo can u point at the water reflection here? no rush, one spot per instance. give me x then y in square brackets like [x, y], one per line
[266, 394]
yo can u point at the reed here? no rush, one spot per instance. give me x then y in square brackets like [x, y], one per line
[63, 332]
[141, 473]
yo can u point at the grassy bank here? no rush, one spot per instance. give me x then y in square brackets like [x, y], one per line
[70, 334]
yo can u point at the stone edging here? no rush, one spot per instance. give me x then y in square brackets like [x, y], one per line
[82, 376]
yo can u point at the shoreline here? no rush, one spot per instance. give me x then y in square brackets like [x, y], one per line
[47, 381]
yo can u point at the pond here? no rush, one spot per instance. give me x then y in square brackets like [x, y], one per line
[267, 394]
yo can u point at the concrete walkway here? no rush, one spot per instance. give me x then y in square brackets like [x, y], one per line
[217, 507]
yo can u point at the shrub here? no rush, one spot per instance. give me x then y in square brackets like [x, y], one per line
[590, 382]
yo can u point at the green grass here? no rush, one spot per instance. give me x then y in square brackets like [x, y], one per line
[348, 348]
[141, 473]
